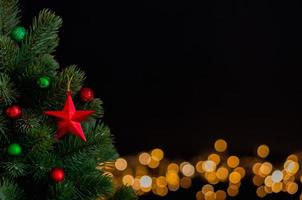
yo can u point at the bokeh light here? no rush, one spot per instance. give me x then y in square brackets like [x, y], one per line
[145, 181]
[150, 171]
[233, 161]
[128, 180]
[120, 164]
[277, 176]
[263, 151]
[144, 158]
[209, 166]
[188, 170]
[220, 145]
[157, 154]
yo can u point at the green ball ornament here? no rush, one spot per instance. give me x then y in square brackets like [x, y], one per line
[19, 33]
[43, 82]
[14, 149]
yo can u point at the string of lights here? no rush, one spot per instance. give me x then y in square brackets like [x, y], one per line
[152, 172]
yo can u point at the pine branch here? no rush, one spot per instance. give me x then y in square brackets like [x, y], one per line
[14, 169]
[9, 16]
[41, 166]
[4, 138]
[39, 141]
[8, 54]
[96, 105]
[124, 193]
[29, 121]
[93, 185]
[44, 65]
[8, 92]
[62, 191]
[9, 190]
[98, 146]
[57, 91]
[42, 38]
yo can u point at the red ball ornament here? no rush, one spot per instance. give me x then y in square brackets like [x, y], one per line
[57, 174]
[13, 111]
[86, 94]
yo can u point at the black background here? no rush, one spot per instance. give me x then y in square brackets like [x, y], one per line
[178, 75]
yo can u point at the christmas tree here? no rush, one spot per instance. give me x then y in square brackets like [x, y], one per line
[53, 143]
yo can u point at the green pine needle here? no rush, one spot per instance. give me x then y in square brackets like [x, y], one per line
[8, 54]
[9, 16]
[9, 190]
[125, 193]
[8, 92]
[43, 35]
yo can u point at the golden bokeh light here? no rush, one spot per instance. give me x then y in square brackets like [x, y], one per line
[240, 170]
[256, 168]
[220, 195]
[291, 166]
[120, 164]
[261, 192]
[263, 151]
[128, 180]
[173, 167]
[265, 169]
[293, 157]
[146, 189]
[144, 158]
[185, 182]
[157, 154]
[268, 181]
[209, 166]
[210, 195]
[258, 180]
[198, 167]
[211, 176]
[291, 187]
[173, 188]
[232, 190]
[161, 191]
[206, 188]
[161, 182]
[199, 195]
[222, 173]
[215, 158]
[136, 184]
[152, 172]
[153, 163]
[233, 161]
[277, 187]
[234, 177]
[268, 189]
[172, 178]
[220, 145]
[188, 170]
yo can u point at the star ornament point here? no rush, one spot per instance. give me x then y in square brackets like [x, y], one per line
[69, 119]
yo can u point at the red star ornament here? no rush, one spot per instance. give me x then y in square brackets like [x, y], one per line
[69, 119]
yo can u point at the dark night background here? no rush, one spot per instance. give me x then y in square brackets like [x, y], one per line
[178, 75]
